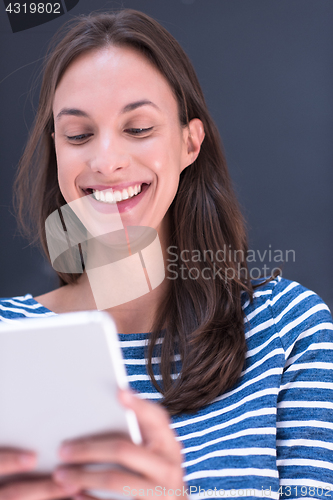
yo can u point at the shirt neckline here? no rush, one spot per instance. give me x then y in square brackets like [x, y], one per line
[122, 336]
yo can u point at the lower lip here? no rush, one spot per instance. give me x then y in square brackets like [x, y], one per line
[122, 206]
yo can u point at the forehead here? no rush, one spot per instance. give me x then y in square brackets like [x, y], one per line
[116, 74]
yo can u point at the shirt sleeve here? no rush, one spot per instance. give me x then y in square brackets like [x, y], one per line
[305, 400]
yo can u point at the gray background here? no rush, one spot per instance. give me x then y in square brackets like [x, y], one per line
[266, 68]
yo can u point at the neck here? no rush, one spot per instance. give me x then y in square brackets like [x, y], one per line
[136, 316]
[102, 290]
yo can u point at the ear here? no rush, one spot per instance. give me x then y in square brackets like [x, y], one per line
[194, 134]
[52, 135]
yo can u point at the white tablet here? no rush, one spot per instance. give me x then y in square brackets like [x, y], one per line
[58, 380]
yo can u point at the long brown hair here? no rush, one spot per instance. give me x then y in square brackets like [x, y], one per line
[203, 317]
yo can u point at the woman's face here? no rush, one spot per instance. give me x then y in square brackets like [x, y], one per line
[117, 132]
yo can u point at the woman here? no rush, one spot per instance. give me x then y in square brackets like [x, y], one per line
[237, 366]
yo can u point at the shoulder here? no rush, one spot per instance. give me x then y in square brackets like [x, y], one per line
[284, 298]
[289, 308]
[16, 308]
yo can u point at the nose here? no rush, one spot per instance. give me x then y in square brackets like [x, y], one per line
[108, 155]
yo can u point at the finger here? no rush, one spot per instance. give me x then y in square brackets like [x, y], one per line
[155, 427]
[121, 452]
[15, 461]
[36, 490]
[154, 424]
[84, 496]
[101, 480]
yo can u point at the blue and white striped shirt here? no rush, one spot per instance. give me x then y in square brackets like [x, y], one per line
[271, 435]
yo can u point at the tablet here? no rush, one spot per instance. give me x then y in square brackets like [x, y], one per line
[59, 378]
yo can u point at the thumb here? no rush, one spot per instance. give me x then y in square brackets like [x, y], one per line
[154, 424]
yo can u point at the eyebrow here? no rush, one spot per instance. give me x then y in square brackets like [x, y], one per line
[129, 107]
[71, 112]
[138, 104]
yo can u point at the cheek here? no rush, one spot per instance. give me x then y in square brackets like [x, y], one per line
[67, 166]
[162, 157]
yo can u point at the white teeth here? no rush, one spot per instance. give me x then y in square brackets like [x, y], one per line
[116, 196]
[109, 197]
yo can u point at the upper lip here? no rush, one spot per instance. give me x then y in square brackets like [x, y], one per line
[115, 187]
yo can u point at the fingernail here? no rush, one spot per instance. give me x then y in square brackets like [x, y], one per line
[27, 460]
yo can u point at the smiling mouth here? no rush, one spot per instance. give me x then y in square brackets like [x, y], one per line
[112, 197]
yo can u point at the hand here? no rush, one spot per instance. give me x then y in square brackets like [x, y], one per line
[154, 464]
[13, 461]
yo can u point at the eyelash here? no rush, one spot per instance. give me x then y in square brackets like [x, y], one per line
[137, 131]
[134, 131]
[78, 137]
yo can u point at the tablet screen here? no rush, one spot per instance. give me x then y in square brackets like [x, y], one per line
[59, 378]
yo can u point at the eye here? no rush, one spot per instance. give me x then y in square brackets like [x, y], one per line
[79, 138]
[138, 131]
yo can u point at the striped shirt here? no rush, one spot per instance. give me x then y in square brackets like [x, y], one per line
[271, 435]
